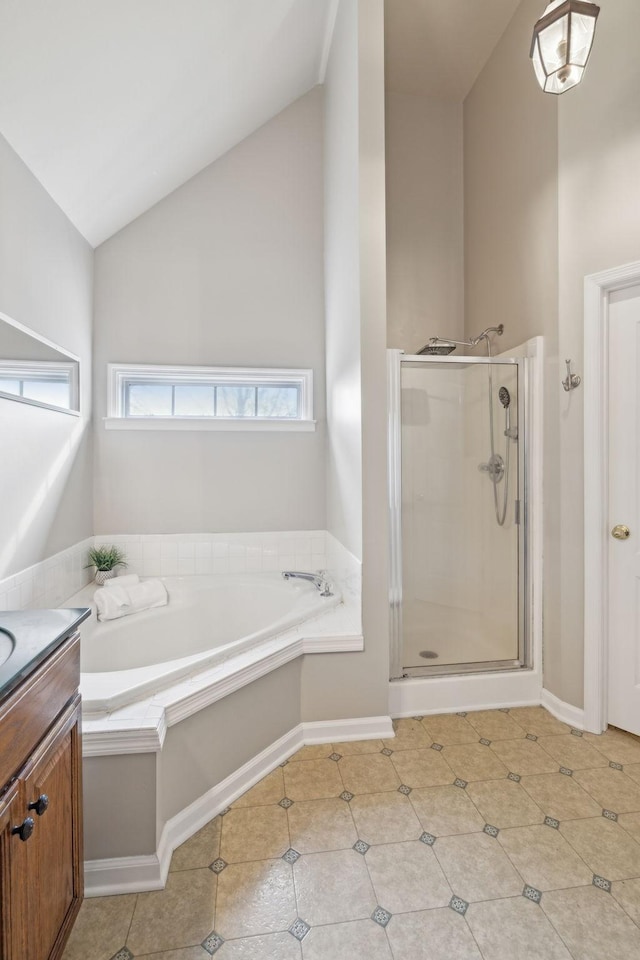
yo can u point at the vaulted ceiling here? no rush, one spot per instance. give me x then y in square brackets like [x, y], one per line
[113, 104]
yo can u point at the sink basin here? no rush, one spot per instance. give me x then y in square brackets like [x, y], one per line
[7, 645]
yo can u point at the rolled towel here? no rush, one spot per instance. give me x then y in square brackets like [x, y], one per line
[126, 580]
[109, 604]
[122, 602]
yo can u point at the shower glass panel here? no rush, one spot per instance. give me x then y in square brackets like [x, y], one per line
[461, 528]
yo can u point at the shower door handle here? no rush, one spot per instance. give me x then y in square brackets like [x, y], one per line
[620, 532]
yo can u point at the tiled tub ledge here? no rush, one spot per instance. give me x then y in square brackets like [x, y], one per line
[141, 727]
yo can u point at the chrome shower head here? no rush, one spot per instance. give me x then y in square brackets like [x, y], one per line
[437, 348]
[504, 397]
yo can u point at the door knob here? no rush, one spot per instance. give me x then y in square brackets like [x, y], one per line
[620, 532]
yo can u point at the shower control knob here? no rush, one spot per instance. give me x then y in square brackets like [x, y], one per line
[620, 532]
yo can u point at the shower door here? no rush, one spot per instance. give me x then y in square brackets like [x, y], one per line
[458, 514]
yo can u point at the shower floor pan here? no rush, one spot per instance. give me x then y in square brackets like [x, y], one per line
[440, 639]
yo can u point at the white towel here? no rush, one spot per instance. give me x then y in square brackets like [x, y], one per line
[126, 580]
[122, 601]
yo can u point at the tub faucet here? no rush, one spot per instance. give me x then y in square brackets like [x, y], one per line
[319, 579]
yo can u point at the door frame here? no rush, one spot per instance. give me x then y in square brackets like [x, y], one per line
[597, 289]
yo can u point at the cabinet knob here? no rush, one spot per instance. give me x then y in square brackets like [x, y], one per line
[25, 829]
[40, 805]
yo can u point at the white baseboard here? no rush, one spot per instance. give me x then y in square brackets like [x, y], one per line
[122, 875]
[422, 696]
[574, 716]
[339, 731]
[142, 873]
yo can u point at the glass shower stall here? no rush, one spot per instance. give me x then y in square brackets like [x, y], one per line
[458, 512]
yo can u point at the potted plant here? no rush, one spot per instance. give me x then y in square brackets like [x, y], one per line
[105, 559]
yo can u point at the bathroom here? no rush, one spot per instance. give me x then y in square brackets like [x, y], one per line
[392, 173]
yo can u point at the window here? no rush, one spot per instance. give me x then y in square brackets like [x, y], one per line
[40, 382]
[209, 398]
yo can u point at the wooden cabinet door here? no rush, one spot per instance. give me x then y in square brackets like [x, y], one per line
[12, 865]
[51, 788]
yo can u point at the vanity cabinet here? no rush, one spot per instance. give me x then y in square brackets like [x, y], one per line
[41, 881]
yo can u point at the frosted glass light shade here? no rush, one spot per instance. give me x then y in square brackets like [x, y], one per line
[561, 44]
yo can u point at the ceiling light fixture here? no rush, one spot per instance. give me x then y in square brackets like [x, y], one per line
[561, 44]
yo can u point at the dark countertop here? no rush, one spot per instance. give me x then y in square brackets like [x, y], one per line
[29, 636]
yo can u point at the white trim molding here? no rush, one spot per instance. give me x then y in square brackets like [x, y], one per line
[121, 375]
[597, 289]
[574, 716]
[142, 873]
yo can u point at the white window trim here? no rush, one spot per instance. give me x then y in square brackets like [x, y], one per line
[119, 373]
[38, 370]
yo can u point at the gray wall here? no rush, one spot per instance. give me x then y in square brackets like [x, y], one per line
[204, 749]
[342, 283]
[425, 249]
[511, 254]
[45, 284]
[599, 228]
[227, 270]
[552, 195]
[119, 800]
[356, 685]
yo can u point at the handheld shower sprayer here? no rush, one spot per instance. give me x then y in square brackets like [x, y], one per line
[505, 399]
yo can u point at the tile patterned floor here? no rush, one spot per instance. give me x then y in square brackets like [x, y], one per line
[497, 835]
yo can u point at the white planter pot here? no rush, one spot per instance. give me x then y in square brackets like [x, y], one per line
[103, 575]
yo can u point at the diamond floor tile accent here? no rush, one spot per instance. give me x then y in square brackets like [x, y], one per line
[566, 771]
[285, 803]
[490, 830]
[436, 746]
[485, 742]
[515, 777]
[576, 733]
[123, 954]
[459, 905]
[428, 838]
[291, 855]
[386, 752]
[224, 812]
[361, 847]
[531, 736]
[610, 815]
[299, 929]
[218, 865]
[460, 783]
[615, 766]
[462, 713]
[552, 822]
[403, 788]
[381, 916]
[530, 893]
[335, 757]
[601, 883]
[213, 943]
[345, 795]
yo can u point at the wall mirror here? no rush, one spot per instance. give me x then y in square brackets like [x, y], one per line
[36, 371]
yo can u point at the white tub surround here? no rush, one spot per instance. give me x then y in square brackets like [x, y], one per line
[211, 627]
[48, 583]
[168, 664]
